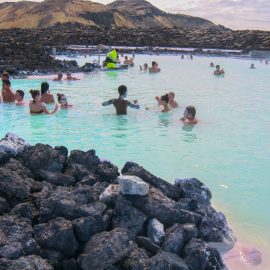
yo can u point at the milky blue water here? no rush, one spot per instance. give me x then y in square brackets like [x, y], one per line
[228, 150]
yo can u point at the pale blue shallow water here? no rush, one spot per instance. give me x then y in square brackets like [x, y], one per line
[228, 150]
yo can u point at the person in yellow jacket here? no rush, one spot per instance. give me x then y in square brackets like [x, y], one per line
[112, 59]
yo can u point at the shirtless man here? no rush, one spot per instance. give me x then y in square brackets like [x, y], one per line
[189, 116]
[154, 68]
[121, 104]
[70, 78]
[59, 77]
[7, 94]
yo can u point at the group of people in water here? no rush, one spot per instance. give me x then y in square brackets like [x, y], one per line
[39, 97]
[167, 101]
[42, 97]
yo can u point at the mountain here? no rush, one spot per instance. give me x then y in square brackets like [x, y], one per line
[121, 13]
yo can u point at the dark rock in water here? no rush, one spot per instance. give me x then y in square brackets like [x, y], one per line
[137, 260]
[12, 187]
[157, 205]
[174, 239]
[23, 210]
[128, 217]
[86, 227]
[195, 190]
[214, 229]
[148, 244]
[58, 235]
[169, 190]
[155, 231]
[164, 260]
[198, 256]
[43, 157]
[70, 203]
[16, 238]
[57, 179]
[105, 249]
[107, 172]
[4, 207]
[25, 263]
[54, 257]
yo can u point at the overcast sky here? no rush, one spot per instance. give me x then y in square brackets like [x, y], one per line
[236, 14]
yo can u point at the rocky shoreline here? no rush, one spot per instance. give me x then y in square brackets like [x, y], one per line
[73, 211]
[29, 49]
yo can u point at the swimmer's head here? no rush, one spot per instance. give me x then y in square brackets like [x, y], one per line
[122, 90]
[5, 76]
[165, 99]
[171, 96]
[45, 87]
[62, 99]
[126, 57]
[35, 95]
[190, 113]
[145, 65]
[218, 67]
[60, 76]
[19, 95]
[69, 75]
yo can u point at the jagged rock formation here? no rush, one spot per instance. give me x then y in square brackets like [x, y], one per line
[87, 223]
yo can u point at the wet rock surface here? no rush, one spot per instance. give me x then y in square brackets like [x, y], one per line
[83, 221]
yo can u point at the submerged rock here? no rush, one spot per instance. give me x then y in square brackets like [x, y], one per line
[198, 256]
[215, 230]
